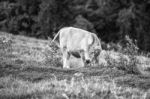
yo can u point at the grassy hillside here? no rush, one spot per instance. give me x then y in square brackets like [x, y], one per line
[30, 69]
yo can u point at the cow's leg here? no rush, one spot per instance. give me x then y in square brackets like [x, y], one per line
[82, 58]
[86, 54]
[66, 57]
[87, 57]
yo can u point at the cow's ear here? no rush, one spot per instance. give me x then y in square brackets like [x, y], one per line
[92, 38]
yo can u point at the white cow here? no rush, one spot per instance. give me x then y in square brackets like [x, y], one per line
[79, 43]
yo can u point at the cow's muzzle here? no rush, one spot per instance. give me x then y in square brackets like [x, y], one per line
[88, 61]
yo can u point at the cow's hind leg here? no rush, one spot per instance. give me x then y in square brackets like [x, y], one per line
[66, 57]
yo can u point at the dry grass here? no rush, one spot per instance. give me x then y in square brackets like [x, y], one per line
[32, 70]
[76, 87]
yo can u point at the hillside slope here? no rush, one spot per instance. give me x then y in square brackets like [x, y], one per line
[32, 69]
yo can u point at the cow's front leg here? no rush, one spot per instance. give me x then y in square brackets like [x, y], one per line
[83, 58]
[87, 57]
[66, 57]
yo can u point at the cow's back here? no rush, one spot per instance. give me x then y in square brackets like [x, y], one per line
[74, 38]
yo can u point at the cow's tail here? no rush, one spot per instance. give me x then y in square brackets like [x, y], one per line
[55, 39]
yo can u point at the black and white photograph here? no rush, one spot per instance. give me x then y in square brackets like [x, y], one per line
[74, 49]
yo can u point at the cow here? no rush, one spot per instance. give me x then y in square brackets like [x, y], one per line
[78, 43]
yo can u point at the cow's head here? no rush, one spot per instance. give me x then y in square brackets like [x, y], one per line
[95, 54]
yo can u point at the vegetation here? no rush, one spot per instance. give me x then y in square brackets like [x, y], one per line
[112, 20]
[30, 69]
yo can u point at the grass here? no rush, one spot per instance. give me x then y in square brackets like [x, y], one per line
[32, 70]
[76, 87]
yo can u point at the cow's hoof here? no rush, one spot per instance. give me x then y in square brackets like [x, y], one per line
[66, 67]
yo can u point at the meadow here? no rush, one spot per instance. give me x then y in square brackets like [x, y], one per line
[30, 68]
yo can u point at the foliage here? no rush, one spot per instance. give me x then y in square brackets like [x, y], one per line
[110, 19]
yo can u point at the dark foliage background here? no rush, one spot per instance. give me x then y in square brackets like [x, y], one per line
[112, 20]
